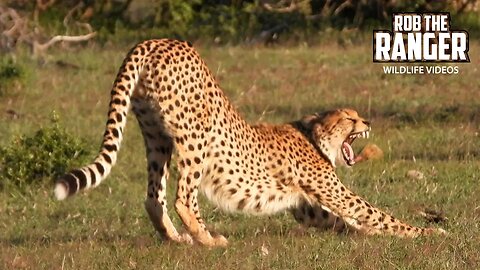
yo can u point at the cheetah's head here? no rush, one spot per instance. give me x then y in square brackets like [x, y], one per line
[334, 132]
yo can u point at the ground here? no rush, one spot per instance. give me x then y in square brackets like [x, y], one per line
[427, 123]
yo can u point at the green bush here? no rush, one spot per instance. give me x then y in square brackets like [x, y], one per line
[11, 75]
[39, 158]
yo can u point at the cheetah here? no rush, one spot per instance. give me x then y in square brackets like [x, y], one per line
[258, 170]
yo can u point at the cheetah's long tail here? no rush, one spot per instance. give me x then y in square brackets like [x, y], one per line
[92, 175]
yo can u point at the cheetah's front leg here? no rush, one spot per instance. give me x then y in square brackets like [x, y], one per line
[358, 213]
[187, 202]
[308, 215]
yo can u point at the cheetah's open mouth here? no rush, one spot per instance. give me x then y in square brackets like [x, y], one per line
[347, 150]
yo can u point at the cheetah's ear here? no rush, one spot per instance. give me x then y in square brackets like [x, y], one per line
[308, 121]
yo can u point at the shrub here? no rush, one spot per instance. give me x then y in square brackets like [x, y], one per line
[10, 76]
[39, 158]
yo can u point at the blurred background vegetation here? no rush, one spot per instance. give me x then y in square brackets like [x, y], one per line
[258, 22]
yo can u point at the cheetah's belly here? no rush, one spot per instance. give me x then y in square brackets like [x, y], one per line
[240, 193]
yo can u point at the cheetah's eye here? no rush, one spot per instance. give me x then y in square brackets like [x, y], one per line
[351, 119]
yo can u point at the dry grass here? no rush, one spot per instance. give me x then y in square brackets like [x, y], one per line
[424, 123]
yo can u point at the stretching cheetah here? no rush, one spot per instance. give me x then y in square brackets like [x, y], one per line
[260, 170]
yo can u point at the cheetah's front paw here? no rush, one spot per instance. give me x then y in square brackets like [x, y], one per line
[184, 238]
[220, 240]
[434, 231]
[215, 240]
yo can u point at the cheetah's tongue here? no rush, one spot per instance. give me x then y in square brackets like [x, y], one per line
[348, 154]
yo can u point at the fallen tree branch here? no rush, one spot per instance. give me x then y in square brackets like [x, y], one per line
[13, 29]
[16, 29]
[342, 6]
[279, 9]
[10, 16]
[39, 49]
[86, 26]
[70, 13]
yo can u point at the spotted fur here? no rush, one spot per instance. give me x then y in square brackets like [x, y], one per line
[255, 169]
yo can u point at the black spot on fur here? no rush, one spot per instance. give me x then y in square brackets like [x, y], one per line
[100, 168]
[107, 158]
[154, 166]
[325, 214]
[115, 132]
[92, 176]
[80, 175]
[71, 183]
[110, 147]
[241, 204]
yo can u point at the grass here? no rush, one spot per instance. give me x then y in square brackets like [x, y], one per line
[425, 123]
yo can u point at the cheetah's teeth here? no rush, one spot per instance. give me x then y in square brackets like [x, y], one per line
[364, 134]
